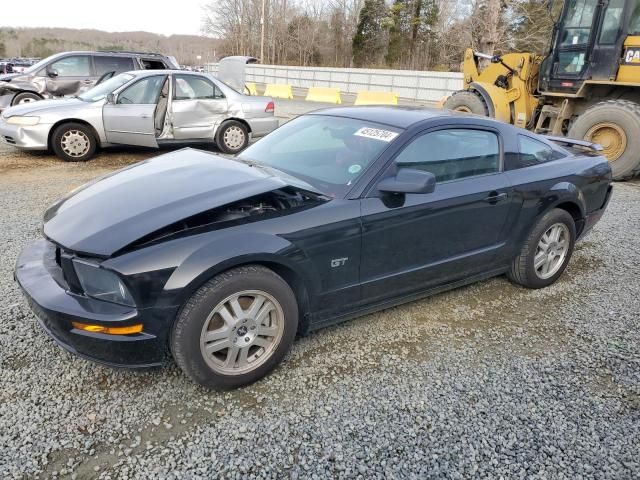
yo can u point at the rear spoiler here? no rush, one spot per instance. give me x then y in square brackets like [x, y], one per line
[575, 143]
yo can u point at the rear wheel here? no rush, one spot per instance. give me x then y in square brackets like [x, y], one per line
[615, 125]
[232, 137]
[236, 328]
[25, 97]
[467, 101]
[73, 142]
[546, 252]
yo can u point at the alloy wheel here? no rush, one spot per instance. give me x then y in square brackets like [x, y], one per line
[242, 332]
[551, 251]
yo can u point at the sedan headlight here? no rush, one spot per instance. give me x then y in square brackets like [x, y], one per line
[102, 284]
[23, 121]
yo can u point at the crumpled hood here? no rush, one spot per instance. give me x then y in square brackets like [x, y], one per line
[43, 106]
[108, 214]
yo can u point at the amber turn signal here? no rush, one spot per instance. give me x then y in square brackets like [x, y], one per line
[110, 330]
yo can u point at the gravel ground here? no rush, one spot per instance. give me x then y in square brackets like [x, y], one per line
[487, 381]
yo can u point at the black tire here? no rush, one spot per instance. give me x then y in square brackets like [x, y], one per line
[234, 144]
[82, 133]
[467, 101]
[522, 269]
[625, 116]
[186, 332]
[25, 97]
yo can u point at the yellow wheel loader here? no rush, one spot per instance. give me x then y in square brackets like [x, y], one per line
[586, 87]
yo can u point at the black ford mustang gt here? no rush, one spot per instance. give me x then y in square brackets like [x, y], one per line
[219, 261]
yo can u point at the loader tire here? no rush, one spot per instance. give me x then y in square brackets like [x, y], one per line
[615, 125]
[467, 101]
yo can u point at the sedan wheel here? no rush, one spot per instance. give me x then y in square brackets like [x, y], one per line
[236, 328]
[25, 97]
[232, 137]
[73, 142]
[241, 332]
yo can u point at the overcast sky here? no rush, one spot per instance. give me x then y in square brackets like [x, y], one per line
[166, 17]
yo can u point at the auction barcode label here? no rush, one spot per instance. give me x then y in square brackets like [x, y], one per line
[376, 134]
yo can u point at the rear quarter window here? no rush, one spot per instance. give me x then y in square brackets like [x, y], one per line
[534, 152]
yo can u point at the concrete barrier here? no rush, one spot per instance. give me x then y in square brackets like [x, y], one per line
[276, 90]
[324, 94]
[366, 97]
[418, 86]
[251, 86]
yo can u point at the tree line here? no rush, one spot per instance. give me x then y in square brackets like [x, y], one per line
[42, 42]
[406, 34]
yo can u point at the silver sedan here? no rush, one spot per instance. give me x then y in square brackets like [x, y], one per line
[148, 108]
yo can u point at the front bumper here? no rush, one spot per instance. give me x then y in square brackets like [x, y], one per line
[40, 278]
[35, 137]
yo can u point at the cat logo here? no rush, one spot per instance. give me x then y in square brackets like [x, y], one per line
[631, 56]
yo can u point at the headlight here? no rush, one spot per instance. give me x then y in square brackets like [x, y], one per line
[23, 121]
[102, 284]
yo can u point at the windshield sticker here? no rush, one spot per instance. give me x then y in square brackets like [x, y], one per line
[355, 168]
[376, 134]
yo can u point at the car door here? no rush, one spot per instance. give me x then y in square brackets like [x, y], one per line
[130, 118]
[70, 75]
[197, 106]
[412, 242]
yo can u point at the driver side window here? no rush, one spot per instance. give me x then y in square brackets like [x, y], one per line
[452, 154]
[143, 92]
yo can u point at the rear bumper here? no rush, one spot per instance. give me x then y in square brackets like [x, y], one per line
[56, 309]
[35, 137]
[262, 126]
[595, 216]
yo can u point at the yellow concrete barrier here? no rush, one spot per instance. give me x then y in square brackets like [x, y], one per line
[324, 94]
[366, 97]
[253, 90]
[277, 90]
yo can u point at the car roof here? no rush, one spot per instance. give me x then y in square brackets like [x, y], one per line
[108, 53]
[394, 116]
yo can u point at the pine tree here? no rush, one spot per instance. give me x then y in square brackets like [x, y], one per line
[370, 40]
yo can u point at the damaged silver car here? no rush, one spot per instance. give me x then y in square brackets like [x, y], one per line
[72, 73]
[148, 108]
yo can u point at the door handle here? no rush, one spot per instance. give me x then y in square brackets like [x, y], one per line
[145, 116]
[87, 82]
[495, 197]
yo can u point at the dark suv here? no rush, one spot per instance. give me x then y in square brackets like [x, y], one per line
[71, 73]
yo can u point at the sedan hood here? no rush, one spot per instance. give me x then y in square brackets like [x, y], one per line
[42, 106]
[104, 216]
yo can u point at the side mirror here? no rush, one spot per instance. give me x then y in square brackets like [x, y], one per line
[52, 72]
[409, 180]
[111, 98]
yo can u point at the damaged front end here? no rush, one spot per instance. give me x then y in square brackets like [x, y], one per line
[276, 203]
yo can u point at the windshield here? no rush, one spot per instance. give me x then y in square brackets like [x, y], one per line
[99, 92]
[329, 153]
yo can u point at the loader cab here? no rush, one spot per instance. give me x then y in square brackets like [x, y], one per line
[589, 41]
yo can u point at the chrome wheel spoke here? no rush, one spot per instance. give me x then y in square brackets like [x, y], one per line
[264, 312]
[219, 334]
[539, 260]
[261, 342]
[217, 345]
[267, 331]
[242, 358]
[232, 356]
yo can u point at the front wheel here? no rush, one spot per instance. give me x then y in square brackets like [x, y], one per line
[236, 328]
[25, 97]
[73, 142]
[546, 252]
[232, 137]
